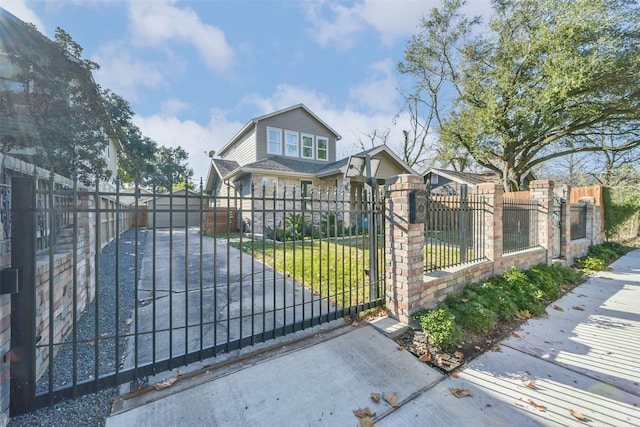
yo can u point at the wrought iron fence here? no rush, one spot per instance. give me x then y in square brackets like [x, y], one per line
[519, 224]
[578, 218]
[454, 231]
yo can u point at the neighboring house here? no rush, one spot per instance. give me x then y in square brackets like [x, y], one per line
[16, 124]
[287, 149]
[179, 208]
[448, 182]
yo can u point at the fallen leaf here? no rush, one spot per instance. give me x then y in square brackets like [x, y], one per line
[361, 413]
[519, 404]
[529, 383]
[538, 406]
[400, 347]
[166, 383]
[460, 392]
[525, 314]
[478, 348]
[557, 307]
[180, 372]
[564, 287]
[425, 358]
[347, 319]
[454, 375]
[497, 348]
[129, 321]
[355, 323]
[458, 355]
[577, 415]
[366, 422]
[391, 398]
[439, 360]
[515, 335]
[375, 397]
[577, 307]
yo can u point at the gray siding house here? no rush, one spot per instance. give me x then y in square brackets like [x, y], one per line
[287, 149]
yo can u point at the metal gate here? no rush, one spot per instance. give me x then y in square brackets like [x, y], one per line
[104, 301]
[559, 205]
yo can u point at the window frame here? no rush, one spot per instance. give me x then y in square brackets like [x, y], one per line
[312, 147]
[287, 145]
[279, 131]
[318, 149]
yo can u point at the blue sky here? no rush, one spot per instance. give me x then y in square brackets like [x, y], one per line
[195, 72]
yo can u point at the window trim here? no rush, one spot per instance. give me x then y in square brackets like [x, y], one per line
[313, 146]
[326, 149]
[279, 131]
[286, 143]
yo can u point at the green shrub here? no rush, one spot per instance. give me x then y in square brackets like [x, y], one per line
[591, 263]
[495, 299]
[441, 327]
[472, 313]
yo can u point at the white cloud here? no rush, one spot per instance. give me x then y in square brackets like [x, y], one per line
[20, 9]
[379, 92]
[159, 23]
[124, 73]
[194, 138]
[340, 28]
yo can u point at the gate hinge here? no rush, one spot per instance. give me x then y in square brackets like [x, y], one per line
[8, 281]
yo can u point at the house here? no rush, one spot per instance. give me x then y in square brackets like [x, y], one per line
[23, 46]
[448, 182]
[290, 149]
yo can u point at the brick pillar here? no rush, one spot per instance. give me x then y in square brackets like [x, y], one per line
[542, 191]
[404, 249]
[492, 225]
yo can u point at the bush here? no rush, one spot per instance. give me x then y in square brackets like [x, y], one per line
[591, 263]
[441, 327]
[472, 314]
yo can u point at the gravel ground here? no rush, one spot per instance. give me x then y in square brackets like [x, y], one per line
[91, 410]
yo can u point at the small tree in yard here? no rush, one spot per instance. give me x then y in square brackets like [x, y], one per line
[548, 78]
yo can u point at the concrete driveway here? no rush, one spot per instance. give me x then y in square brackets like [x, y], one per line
[195, 292]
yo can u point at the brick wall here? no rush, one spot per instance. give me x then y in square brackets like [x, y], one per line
[408, 289]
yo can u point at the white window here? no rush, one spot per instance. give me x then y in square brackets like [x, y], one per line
[274, 141]
[322, 148]
[434, 179]
[291, 143]
[307, 146]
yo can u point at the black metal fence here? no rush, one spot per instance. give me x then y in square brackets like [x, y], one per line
[454, 231]
[164, 297]
[578, 218]
[519, 224]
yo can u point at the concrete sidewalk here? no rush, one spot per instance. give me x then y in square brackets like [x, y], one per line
[581, 357]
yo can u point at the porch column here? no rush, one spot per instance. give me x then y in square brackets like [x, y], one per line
[404, 249]
[542, 191]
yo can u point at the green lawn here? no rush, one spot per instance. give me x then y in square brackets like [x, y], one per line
[332, 268]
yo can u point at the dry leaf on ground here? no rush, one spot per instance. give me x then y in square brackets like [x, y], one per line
[361, 413]
[515, 335]
[460, 392]
[577, 307]
[529, 383]
[391, 398]
[166, 383]
[519, 404]
[366, 422]
[557, 307]
[454, 375]
[180, 372]
[439, 360]
[128, 321]
[375, 397]
[400, 347]
[425, 358]
[538, 406]
[458, 355]
[577, 415]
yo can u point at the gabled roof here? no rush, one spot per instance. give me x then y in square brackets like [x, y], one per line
[221, 168]
[255, 120]
[341, 165]
[281, 166]
[470, 178]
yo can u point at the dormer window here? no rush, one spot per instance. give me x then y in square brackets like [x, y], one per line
[274, 141]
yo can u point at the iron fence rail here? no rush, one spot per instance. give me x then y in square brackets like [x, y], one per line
[173, 296]
[519, 224]
[578, 219]
[454, 231]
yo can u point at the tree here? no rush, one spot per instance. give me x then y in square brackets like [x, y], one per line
[56, 104]
[170, 166]
[545, 79]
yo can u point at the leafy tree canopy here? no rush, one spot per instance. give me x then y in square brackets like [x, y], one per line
[549, 78]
